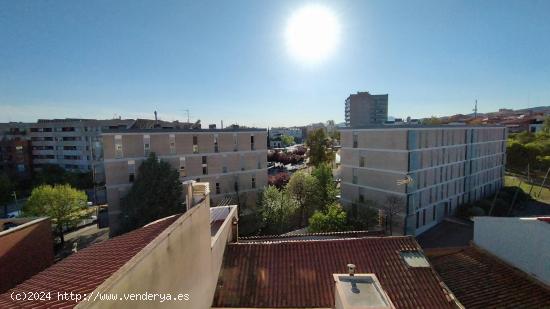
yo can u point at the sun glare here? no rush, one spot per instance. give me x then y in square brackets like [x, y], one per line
[312, 33]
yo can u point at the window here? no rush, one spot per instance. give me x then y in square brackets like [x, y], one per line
[355, 140]
[417, 220]
[172, 139]
[216, 143]
[423, 217]
[146, 145]
[354, 177]
[236, 186]
[182, 167]
[361, 198]
[195, 144]
[362, 161]
[218, 188]
[235, 142]
[204, 165]
[253, 183]
[433, 212]
[118, 146]
[251, 142]
[131, 171]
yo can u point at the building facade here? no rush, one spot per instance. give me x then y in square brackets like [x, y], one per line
[232, 161]
[73, 144]
[426, 170]
[365, 109]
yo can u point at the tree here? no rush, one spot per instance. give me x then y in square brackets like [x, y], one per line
[6, 190]
[54, 174]
[156, 193]
[333, 220]
[319, 151]
[278, 210]
[327, 190]
[304, 188]
[65, 206]
[362, 216]
[287, 140]
[278, 180]
[391, 208]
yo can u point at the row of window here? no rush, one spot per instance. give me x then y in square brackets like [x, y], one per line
[64, 157]
[119, 153]
[58, 138]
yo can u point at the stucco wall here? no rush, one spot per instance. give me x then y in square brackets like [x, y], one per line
[24, 250]
[522, 242]
[182, 259]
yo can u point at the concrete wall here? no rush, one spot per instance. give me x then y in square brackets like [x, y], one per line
[182, 259]
[24, 250]
[521, 242]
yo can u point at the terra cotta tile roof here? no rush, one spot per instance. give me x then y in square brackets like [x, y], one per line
[84, 271]
[480, 280]
[298, 274]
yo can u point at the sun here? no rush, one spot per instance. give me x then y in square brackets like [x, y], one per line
[312, 33]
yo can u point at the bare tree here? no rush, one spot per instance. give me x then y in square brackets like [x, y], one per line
[391, 208]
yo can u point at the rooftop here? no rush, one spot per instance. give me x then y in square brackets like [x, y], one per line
[418, 126]
[164, 130]
[293, 274]
[84, 271]
[480, 280]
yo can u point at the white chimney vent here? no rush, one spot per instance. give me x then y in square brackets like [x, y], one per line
[359, 291]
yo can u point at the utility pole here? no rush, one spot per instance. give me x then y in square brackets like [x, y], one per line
[543, 182]
[187, 111]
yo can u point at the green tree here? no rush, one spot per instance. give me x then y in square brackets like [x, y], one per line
[278, 210]
[65, 206]
[155, 194]
[304, 188]
[287, 140]
[362, 216]
[327, 190]
[6, 191]
[55, 174]
[319, 150]
[333, 220]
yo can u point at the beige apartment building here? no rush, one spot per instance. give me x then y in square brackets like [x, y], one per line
[365, 109]
[232, 161]
[429, 170]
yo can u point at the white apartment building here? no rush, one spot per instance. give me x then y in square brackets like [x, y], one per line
[430, 170]
[233, 161]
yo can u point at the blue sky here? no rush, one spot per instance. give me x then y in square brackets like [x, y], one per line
[227, 60]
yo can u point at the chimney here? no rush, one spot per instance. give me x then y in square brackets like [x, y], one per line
[359, 291]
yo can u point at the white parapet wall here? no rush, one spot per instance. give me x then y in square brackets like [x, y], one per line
[521, 242]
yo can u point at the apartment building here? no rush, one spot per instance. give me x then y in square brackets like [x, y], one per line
[233, 161]
[365, 109]
[428, 170]
[73, 144]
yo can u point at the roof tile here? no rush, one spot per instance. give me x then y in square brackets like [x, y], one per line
[84, 271]
[299, 273]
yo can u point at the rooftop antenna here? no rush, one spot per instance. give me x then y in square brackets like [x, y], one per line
[187, 111]
[475, 110]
